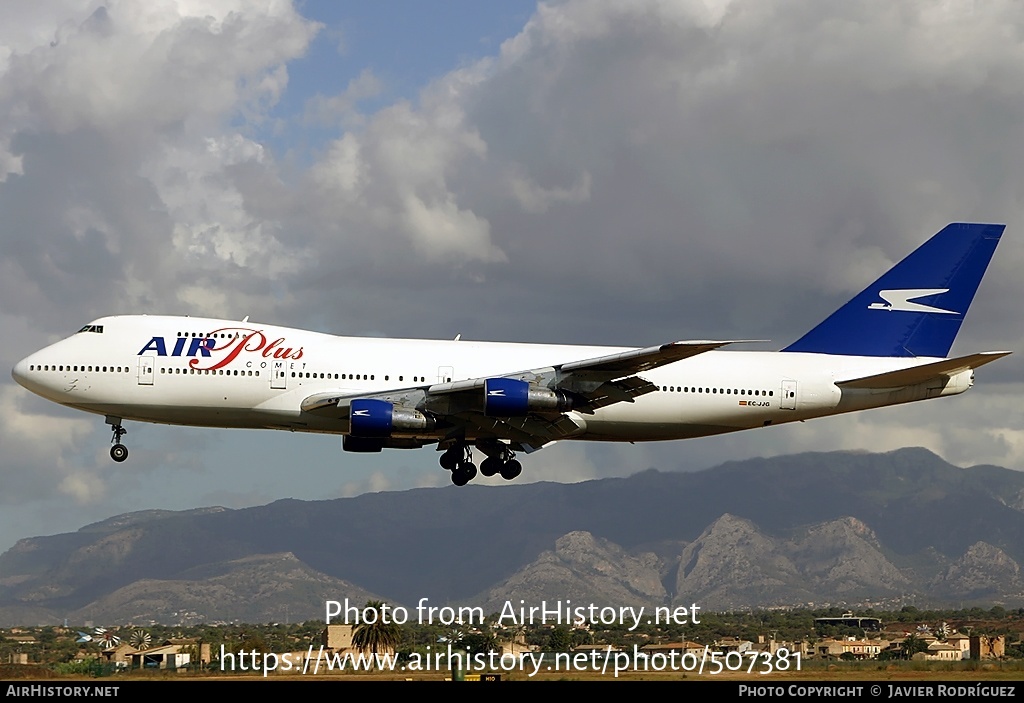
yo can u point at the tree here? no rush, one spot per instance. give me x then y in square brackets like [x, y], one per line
[560, 640]
[481, 642]
[912, 645]
[378, 636]
[253, 640]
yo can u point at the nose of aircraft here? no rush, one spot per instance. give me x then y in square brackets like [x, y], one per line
[20, 371]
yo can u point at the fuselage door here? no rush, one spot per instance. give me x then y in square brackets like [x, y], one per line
[278, 376]
[445, 373]
[788, 399]
[147, 369]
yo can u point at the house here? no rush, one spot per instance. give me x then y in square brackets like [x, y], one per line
[939, 651]
[337, 637]
[851, 646]
[169, 654]
[962, 643]
[683, 648]
[731, 644]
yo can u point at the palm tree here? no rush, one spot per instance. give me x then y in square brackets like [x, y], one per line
[378, 636]
[912, 645]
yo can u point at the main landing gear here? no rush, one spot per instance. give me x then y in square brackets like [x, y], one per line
[118, 452]
[458, 459]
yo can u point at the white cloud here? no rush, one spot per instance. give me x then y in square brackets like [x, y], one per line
[119, 127]
[342, 109]
[386, 189]
[536, 199]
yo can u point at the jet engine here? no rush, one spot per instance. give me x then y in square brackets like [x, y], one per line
[509, 397]
[372, 417]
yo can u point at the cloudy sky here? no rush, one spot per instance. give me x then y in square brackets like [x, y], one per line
[590, 171]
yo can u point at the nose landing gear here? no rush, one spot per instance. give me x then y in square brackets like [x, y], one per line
[118, 452]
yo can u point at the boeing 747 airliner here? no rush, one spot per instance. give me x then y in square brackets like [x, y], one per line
[888, 345]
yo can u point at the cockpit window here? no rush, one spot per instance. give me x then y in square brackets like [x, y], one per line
[92, 328]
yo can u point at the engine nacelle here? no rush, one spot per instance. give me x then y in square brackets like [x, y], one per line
[509, 397]
[375, 444]
[372, 417]
[362, 445]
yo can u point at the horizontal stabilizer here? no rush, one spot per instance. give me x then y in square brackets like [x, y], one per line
[923, 373]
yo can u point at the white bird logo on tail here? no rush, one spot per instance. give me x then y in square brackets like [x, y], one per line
[900, 300]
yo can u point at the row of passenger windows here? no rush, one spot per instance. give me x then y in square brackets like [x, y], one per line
[211, 372]
[723, 391]
[219, 335]
[94, 369]
[352, 376]
[294, 374]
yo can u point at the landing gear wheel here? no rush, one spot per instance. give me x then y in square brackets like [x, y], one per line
[490, 466]
[455, 457]
[450, 460]
[511, 469]
[465, 473]
[118, 452]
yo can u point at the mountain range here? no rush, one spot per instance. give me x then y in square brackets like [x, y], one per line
[814, 529]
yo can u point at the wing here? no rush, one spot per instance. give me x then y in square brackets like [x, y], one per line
[528, 408]
[600, 381]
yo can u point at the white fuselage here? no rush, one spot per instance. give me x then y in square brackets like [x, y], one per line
[166, 370]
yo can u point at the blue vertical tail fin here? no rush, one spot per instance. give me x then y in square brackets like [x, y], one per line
[917, 307]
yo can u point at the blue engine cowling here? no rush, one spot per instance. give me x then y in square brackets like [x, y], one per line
[509, 397]
[373, 417]
[369, 417]
[506, 397]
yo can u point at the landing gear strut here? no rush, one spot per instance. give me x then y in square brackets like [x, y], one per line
[118, 452]
[459, 460]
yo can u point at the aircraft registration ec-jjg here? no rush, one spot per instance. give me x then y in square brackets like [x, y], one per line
[886, 346]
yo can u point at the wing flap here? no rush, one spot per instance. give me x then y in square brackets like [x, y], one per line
[527, 430]
[922, 373]
[622, 391]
